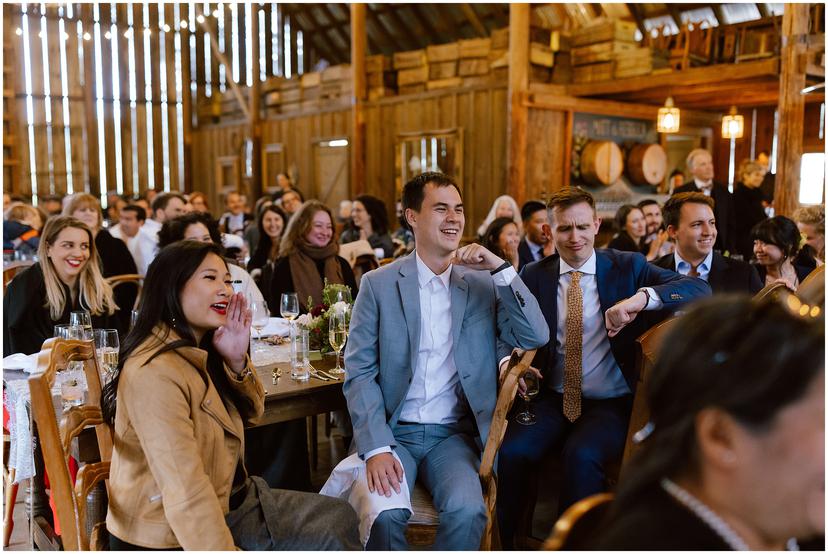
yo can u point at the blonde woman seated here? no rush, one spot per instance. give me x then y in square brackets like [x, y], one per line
[503, 206]
[180, 398]
[67, 278]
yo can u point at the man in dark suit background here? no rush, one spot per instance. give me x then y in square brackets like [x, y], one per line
[591, 300]
[700, 165]
[691, 224]
[535, 244]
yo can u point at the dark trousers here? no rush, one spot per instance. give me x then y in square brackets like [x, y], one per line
[588, 445]
[279, 454]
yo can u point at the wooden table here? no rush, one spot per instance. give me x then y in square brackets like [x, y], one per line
[288, 399]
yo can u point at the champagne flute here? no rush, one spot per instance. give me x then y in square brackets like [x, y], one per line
[260, 317]
[337, 335]
[289, 308]
[343, 295]
[107, 347]
[532, 388]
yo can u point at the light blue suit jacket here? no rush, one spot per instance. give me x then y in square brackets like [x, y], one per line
[487, 322]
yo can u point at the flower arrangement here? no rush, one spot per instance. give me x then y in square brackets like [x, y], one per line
[316, 320]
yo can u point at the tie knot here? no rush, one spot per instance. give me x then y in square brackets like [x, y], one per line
[576, 277]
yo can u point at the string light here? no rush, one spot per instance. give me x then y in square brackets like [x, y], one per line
[18, 31]
[200, 18]
[87, 36]
[107, 35]
[166, 28]
[183, 24]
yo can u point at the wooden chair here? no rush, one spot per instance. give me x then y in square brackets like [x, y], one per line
[647, 347]
[57, 438]
[812, 289]
[12, 269]
[422, 526]
[117, 280]
[579, 523]
[774, 290]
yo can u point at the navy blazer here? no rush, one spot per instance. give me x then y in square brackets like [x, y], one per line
[619, 276]
[726, 274]
[524, 254]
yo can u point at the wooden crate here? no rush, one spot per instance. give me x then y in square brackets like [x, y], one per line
[500, 61]
[500, 38]
[442, 70]
[273, 98]
[339, 72]
[410, 59]
[336, 89]
[540, 74]
[443, 52]
[291, 95]
[290, 107]
[375, 93]
[311, 93]
[475, 47]
[289, 84]
[478, 80]
[560, 41]
[412, 89]
[542, 55]
[312, 79]
[592, 72]
[412, 76]
[600, 52]
[473, 66]
[640, 61]
[310, 104]
[382, 79]
[562, 72]
[444, 83]
[604, 30]
[377, 63]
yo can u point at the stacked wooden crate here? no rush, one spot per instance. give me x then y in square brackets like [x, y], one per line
[474, 66]
[311, 90]
[542, 55]
[412, 71]
[337, 86]
[595, 48]
[641, 61]
[381, 79]
[291, 95]
[442, 66]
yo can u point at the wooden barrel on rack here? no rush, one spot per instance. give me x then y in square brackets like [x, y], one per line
[602, 162]
[647, 164]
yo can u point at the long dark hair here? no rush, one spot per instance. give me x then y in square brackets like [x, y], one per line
[262, 253]
[491, 237]
[778, 231]
[173, 230]
[166, 277]
[749, 360]
[376, 211]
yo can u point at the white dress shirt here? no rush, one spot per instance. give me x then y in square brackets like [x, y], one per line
[151, 228]
[705, 186]
[435, 394]
[142, 247]
[683, 267]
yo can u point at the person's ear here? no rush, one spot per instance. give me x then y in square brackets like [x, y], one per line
[672, 232]
[597, 225]
[411, 217]
[719, 440]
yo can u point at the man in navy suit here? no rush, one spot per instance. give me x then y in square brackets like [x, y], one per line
[587, 368]
[535, 244]
[692, 225]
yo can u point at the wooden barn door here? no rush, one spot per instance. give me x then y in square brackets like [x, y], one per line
[331, 169]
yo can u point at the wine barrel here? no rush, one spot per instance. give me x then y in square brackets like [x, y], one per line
[647, 164]
[601, 162]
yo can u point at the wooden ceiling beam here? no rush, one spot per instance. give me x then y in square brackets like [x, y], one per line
[675, 14]
[418, 41]
[718, 13]
[329, 50]
[763, 10]
[476, 24]
[424, 21]
[639, 21]
[387, 36]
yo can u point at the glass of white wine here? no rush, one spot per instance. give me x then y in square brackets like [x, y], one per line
[81, 318]
[107, 347]
[337, 335]
[260, 315]
[289, 308]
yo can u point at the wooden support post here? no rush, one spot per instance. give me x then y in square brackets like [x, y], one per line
[93, 165]
[791, 108]
[228, 69]
[518, 88]
[186, 110]
[358, 44]
[255, 132]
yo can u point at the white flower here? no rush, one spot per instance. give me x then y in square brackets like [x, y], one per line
[340, 307]
[305, 320]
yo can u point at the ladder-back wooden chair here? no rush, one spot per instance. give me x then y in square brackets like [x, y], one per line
[57, 432]
[422, 526]
[812, 289]
[579, 523]
[777, 290]
[138, 280]
[647, 347]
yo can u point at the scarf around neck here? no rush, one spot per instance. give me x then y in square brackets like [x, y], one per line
[305, 272]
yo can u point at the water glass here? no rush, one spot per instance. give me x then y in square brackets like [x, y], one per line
[61, 331]
[72, 385]
[299, 362]
[81, 318]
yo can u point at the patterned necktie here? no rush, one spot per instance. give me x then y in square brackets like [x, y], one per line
[573, 366]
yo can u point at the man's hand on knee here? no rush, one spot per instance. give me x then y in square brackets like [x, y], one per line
[384, 473]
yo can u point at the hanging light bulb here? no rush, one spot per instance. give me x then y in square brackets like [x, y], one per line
[183, 24]
[107, 35]
[165, 28]
[215, 13]
[200, 18]
[87, 36]
[669, 117]
[148, 32]
[128, 33]
[733, 125]
[18, 31]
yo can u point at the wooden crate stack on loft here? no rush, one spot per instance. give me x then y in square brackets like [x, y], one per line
[337, 87]
[548, 56]
[381, 79]
[412, 71]
[442, 66]
[474, 65]
[597, 46]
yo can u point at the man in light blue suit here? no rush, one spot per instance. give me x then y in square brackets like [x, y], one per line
[427, 332]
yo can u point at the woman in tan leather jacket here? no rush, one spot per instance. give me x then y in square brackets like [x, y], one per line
[184, 389]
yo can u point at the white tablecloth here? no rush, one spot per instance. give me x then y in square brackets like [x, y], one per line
[17, 401]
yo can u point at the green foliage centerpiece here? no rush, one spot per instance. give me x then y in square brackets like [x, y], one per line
[335, 297]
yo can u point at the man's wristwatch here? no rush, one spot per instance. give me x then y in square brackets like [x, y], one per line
[647, 294]
[501, 267]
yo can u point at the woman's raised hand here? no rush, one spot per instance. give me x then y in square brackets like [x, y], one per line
[233, 338]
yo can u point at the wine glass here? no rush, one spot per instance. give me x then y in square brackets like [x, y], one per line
[289, 308]
[342, 295]
[81, 319]
[337, 335]
[532, 388]
[260, 317]
[61, 331]
[133, 319]
[107, 347]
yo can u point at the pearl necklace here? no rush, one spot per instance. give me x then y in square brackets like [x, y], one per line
[708, 516]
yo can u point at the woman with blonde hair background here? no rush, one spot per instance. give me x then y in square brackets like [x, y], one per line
[503, 206]
[747, 206]
[113, 253]
[308, 256]
[67, 278]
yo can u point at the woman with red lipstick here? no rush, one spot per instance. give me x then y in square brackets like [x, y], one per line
[308, 256]
[67, 278]
[180, 398]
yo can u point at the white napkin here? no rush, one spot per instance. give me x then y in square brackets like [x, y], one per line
[16, 362]
[276, 326]
[349, 482]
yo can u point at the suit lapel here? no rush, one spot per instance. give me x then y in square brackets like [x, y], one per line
[548, 292]
[716, 276]
[459, 291]
[607, 284]
[409, 288]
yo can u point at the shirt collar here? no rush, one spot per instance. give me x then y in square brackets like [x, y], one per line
[532, 246]
[587, 269]
[704, 185]
[704, 267]
[425, 275]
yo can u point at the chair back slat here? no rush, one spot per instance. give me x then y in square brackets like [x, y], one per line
[579, 523]
[56, 438]
[772, 290]
[137, 279]
[812, 289]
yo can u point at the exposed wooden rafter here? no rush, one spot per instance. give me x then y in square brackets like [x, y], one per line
[476, 24]
[386, 35]
[417, 41]
[636, 14]
[327, 49]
